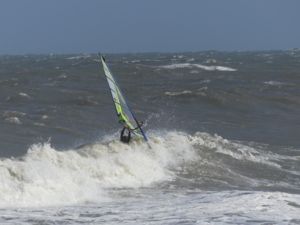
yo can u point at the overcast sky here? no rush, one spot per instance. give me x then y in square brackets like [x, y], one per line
[72, 26]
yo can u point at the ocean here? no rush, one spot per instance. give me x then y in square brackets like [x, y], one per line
[224, 130]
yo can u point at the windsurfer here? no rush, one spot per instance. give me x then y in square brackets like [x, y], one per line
[125, 115]
[126, 132]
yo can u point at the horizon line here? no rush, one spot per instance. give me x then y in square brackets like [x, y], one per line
[149, 52]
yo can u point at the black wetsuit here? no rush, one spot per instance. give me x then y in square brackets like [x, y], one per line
[125, 135]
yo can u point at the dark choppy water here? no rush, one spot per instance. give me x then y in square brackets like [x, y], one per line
[224, 130]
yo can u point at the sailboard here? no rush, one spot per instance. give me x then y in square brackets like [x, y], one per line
[124, 113]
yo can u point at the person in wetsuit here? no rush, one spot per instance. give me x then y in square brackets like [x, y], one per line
[126, 133]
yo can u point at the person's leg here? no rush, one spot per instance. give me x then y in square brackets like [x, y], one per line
[122, 134]
[129, 136]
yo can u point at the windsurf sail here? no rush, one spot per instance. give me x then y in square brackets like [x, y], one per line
[125, 115]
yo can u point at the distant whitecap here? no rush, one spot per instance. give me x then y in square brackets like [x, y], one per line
[185, 92]
[13, 119]
[200, 66]
[25, 95]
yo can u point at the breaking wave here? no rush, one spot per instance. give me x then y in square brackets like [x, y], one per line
[45, 176]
